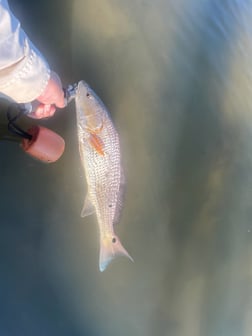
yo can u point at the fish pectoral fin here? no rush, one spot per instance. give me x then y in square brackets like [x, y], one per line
[88, 207]
[97, 143]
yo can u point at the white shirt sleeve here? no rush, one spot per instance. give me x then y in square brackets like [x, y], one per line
[24, 73]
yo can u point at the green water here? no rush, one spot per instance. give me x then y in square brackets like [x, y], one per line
[176, 77]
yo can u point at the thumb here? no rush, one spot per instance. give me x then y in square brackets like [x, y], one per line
[53, 93]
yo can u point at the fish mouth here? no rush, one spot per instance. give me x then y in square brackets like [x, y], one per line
[83, 89]
[84, 93]
[91, 114]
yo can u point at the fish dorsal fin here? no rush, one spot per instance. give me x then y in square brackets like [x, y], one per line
[88, 207]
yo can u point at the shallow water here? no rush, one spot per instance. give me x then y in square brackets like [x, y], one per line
[176, 77]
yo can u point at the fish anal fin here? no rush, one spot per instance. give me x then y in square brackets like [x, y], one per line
[88, 207]
[110, 248]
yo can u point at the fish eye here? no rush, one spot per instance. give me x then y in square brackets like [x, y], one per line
[114, 240]
[88, 95]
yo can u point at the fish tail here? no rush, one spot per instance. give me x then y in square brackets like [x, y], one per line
[110, 248]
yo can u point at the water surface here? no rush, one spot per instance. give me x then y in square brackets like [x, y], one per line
[176, 77]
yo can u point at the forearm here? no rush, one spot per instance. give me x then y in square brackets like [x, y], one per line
[24, 73]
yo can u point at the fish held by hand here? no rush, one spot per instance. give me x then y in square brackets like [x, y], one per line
[101, 159]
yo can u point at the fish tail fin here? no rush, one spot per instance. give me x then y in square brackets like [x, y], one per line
[110, 248]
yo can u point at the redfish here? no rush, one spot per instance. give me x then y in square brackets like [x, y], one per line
[100, 154]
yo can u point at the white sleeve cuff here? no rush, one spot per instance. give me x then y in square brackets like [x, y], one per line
[28, 78]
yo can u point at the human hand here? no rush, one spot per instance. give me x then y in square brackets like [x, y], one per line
[52, 97]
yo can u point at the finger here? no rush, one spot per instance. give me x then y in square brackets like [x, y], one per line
[58, 93]
[53, 93]
[43, 111]
[49, 110]
[60, 100]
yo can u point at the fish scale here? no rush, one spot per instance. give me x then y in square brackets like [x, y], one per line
[100, 155]
[103, 179]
